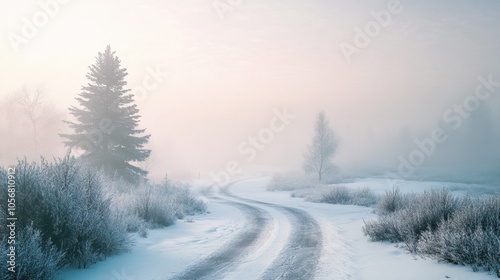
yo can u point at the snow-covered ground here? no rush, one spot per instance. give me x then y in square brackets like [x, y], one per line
[343, 252]
[167, 251]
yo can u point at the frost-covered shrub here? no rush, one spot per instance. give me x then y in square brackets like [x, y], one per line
[364, 197]
[143, 231]
[181, 199]
[123, 196]
[338, 195]
[462, 231]
[393, 201]
[470, 237]
[407, 223]
[81, 219]
[65, 202]
[153, 207]
[385, 229]
[133, 222]
[161, 204]
[35, 259]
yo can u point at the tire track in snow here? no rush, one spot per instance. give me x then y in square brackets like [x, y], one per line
[300, 256]
[218, 263]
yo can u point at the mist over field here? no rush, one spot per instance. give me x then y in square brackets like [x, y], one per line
[207, 77]
[238, 139]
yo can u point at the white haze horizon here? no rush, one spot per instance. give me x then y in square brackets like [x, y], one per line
[213, 90]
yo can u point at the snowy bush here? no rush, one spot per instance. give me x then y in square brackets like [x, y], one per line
[134, 223]
[152, 205]
[392, 201]
[186, 203]
[343, 195]
[64, 201]
[364, 197]
[35, 259]
[462, 231]
[66, 217]
[338, 195]
[162, 204]
[425, 212]
[471, 237]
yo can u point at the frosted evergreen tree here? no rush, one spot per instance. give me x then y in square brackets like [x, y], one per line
[106, 126]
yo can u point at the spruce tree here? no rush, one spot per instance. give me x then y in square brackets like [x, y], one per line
[106, 126]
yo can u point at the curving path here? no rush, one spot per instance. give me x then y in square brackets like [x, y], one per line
[215, 265]
[297, 260]
[300, 256]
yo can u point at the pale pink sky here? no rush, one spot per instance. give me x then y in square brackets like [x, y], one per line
[227, 75]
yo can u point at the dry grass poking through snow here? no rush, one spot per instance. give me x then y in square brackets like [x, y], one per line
[311, 190]
[464, 231]
[338, 195]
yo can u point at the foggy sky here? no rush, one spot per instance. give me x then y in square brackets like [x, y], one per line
[226, 76]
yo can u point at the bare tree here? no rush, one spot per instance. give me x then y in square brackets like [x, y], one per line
[322, 149]
[38, 110]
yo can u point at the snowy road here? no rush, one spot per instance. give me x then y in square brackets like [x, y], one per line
[251, 233]
[216, 264]
[298, 258]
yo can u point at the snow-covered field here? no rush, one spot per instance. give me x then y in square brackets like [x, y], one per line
[293, 238]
